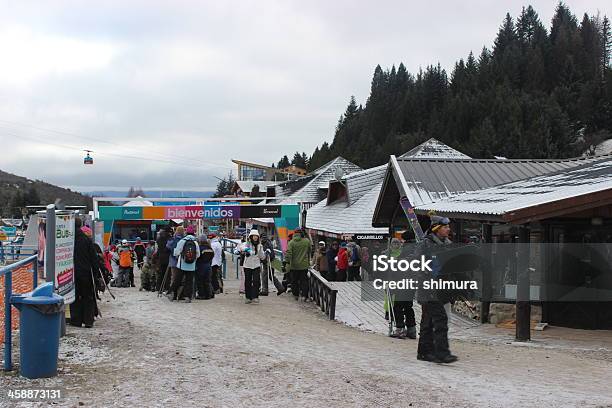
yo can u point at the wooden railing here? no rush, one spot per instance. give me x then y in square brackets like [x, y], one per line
[323, 294]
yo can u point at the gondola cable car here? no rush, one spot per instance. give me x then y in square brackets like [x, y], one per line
[88, 159]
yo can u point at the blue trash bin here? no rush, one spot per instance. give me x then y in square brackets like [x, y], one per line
[39, 333]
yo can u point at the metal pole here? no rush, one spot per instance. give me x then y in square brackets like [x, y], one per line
[523, 305]
[50, 244]
[35, 275]
[8, 289]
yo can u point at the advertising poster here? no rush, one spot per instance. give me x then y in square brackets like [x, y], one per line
[64, 257]
[99, 233]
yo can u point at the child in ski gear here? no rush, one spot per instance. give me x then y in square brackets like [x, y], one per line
[297, 257]
[433, 340]
[187, 251]
[254, 254]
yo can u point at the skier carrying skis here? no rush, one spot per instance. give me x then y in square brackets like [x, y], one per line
[433, 340]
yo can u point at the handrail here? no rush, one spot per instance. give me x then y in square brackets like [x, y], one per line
[323, 293]
[7, 272]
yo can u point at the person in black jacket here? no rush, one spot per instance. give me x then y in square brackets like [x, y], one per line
[433, 339]
[332, 254]
[203, 276]
[163, 258]
[83, 309]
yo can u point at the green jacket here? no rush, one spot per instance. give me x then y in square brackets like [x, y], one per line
[298, 253]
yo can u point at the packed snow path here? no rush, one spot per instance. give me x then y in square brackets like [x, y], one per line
[147, 351]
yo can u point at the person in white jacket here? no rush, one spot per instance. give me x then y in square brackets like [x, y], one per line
[253, 253]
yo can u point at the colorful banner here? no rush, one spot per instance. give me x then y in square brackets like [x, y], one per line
[64, 257]
[197, 212]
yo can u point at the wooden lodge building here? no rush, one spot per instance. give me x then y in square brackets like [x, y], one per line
[560, 210]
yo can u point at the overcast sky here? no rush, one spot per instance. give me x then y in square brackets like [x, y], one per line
[191, 85]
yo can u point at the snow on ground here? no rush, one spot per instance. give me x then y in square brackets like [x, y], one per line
[149, 352]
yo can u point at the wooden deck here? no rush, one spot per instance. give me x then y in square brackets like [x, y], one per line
[368, 313]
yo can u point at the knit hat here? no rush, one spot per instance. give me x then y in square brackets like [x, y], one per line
[87, 231]
[254, 232]
[437, 222]
[190, 230]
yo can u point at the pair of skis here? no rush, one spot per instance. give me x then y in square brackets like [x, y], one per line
[413, 221]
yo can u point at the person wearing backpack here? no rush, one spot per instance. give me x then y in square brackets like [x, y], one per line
[187, 251]
[126, 263]
[354, 261]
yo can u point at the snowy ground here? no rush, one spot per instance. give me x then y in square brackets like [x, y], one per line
[149, 352]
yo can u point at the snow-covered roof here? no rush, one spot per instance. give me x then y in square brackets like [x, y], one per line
[506, 199]
[313, 187]
[138, 202]
[246, 186]
[604, 147]
[434, 149]
[341, 218]
[426, 181]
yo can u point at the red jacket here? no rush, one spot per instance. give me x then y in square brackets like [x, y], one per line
[342, 259]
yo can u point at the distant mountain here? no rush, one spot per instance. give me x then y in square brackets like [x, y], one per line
[153, 194]
[16, 192]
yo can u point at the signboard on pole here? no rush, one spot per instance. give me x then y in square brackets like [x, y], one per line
[99, 233]
[6, 233]
[64, 256]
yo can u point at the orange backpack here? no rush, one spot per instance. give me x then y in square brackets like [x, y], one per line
[125, 259]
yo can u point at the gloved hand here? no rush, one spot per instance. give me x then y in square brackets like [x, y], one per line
[247, 252]
[269, 251]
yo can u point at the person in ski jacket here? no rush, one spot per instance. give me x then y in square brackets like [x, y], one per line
[433, 340]
[353, 252]
[400, 300]
[332, 257]
[320, 263]
[217, 262]
[204, 270]
[265, 264]
[179, 233]
[297, 257]
[253, 253]
[163, 258]
[125, 259]
[342, 263]
[187, 251]
[139, 250]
